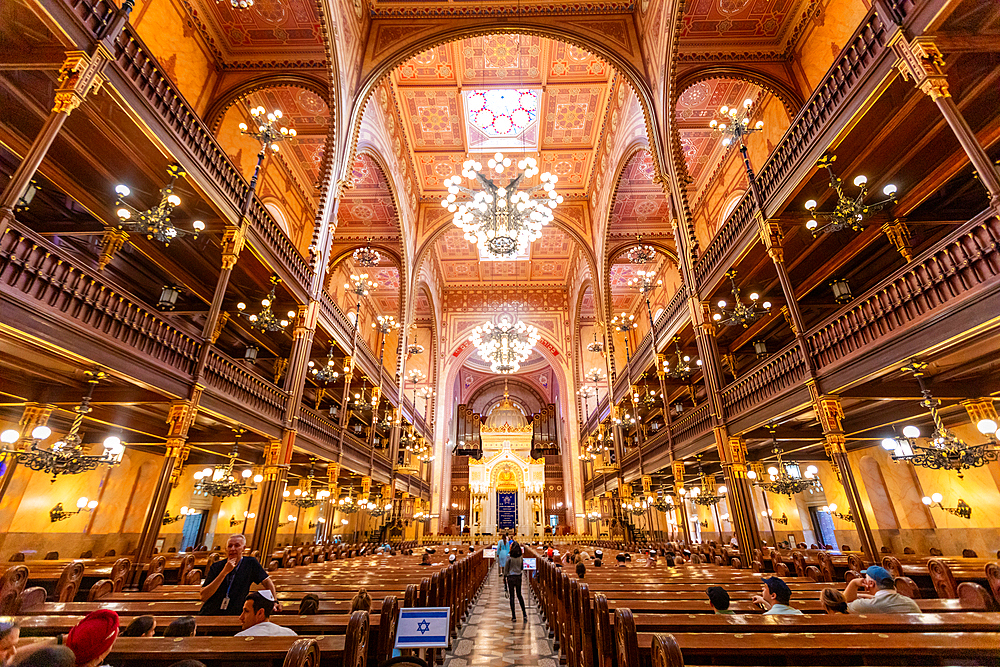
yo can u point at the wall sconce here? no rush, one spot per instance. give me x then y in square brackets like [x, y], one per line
[57, 513]
[831, 509]
[291, 519]
[964, 510]
[318, 522]
[250, 354]
[168, 297]
[233, 521]
[760, 348]
[185, 511]
[769, 514]
[703, 523]
[841, 290]
[344, 522]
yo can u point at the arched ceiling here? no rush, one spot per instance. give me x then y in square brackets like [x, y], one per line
[305, 111]
[751, 29]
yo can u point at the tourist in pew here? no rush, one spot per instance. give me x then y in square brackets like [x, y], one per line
[426, 559]
[142, 626]
[45, 655]
[512, 576]
[719, 599]
[621, 560]
[227, 582]
[775, 598]
[833, 601]
[257, 610]
[361, 601]
[598, 562]
[92, 638]
[581, 570]
[185, 626]
[651, 558]
[880, 596]
[10, 634]
[309, 605]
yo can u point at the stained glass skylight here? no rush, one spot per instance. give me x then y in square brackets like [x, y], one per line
[502, 113]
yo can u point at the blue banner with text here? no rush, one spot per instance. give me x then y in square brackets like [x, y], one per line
[506, 510]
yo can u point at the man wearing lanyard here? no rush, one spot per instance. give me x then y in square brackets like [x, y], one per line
[227, 583]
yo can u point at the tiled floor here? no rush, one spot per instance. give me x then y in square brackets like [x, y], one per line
[490, 638]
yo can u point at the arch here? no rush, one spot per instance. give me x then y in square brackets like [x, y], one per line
[220, 105]
[279, 216]
[513, 381]
[507, 467]
[788, 96]
[450, 33]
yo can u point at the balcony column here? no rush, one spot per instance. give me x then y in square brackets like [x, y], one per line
[831, 414]
[265, 530]
[179, 420]
[733, 454]
[33, 416]
[921, 60]
[298, 360]
[79, 75]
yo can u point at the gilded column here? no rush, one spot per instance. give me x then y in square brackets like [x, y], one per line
[733, 454]
[271, 499]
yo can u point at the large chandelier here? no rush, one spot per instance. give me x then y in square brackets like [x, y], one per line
[309, 497]
[640, 253]
[663, 502]
[220, 481]
[502, 218]
[707, 494]
[266, 320]
[945, 450]
[367, 256]
[155, 222]
[66, 456]
[504, 345]
[326, 373]
[783, 478]
[735, 124]
[741, 313]
[377, 508]
[347, 504]
[848, 213]
[596, 346]
[681, 369]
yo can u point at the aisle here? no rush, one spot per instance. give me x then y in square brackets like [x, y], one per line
[490, 638]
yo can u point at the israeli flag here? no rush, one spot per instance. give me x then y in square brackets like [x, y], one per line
[423, 627]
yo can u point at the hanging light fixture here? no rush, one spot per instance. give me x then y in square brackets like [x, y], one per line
[597, 346]
[168, 297]
[783, 478]
[347, 504]
[266, 320]
[681, 367]
[663, 502]
[250, 354]
[760, 348]
[741, 313]
[155, 222]
[326, 373]
[66, 456]
[944, 450]
[267, 132]
[304, 499]
[220, 482]
[841, 290]
[505, 344]
[707, 494]
[640, 253]
[734, 124]
[367, 256]
[848, 213]
[502, 219]
[379, 507]
[414, 347]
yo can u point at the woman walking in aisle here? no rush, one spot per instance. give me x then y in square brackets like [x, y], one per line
[512, 571]
[503, 551]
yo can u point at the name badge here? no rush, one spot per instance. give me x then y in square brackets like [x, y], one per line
[225, 604]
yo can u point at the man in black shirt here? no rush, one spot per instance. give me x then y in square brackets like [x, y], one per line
[227, 583]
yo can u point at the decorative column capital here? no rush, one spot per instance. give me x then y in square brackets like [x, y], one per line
[771, 236]
[233, 239]
[738, 450]
[180, 417]
[830, 413]
[898, 234]
[111, 243]
[79, 75]
[702, 312]
[220, 324]
[980, 408]
[921, 60]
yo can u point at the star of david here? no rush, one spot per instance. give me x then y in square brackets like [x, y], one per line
[423, 627]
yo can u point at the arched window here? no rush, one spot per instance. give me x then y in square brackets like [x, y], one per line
[656, 315]
[728, 208]
[278, 216]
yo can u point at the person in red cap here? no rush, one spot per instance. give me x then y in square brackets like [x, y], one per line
[92, 638]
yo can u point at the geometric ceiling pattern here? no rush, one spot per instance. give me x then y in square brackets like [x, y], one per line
[549, 261]
[743, 26]
[271, 31]
[367, 208]
[307, 113]
[571, 85]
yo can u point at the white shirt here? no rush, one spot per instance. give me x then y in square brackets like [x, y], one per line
[267, 629]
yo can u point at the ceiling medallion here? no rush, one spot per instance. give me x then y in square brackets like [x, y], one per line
[502, 219]
[505, 345]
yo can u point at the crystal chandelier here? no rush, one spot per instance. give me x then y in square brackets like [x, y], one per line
[66, 456]
[740, 313]
[504, 345]
[326, 373]
[220, 481]
[367, 256]
[848, 213]
[155, 222]
[945, 450]
[309, 497]
[501, 218]
[266, 320]
[783, 478]
[639, 253]
[681, 369]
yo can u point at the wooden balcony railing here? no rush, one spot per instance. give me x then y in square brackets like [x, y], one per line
[780, 371]
[243, 387]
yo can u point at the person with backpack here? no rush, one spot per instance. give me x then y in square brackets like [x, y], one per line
[503, 552]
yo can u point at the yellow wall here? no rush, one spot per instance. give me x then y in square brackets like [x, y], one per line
[824, 38]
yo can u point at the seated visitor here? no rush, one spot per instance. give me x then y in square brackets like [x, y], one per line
[185, 626]
[44, 655]
[880, 596]
[581, 570]
[10, 634]
[598, 562]
[309, 604]
[257, 610]
[719, 599]
[92, 638]
[621, 560]
[228, 581]
[426, 559]
[651, 558]
[361, 601]
[142, 626]
[833, 601]
[774, 597]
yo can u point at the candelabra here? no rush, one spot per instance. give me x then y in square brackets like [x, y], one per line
[155, 222]
[220, 481]
[385, 323]
[831, 509]
[268, 132]
[640, 253]
[57, 513]
[741, 313]
[304, 499]
[945, 451]
[848, 213]
[623, 323]
[367, 256]
[266, 320]
[963, 510]
[769, 514]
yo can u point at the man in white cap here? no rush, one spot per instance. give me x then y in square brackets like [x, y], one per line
[256, 617]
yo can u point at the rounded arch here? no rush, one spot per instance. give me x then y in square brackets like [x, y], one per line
[220, 105]
[498, 383]
[632, 74]
[788, 96]
[278, 213]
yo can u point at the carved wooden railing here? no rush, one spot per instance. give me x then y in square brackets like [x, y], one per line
[967, 260]
[37, 273]
[243, 387]
[692, 424]
[777, 373]
[675, 311]
[318, 428]
[818, 120]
